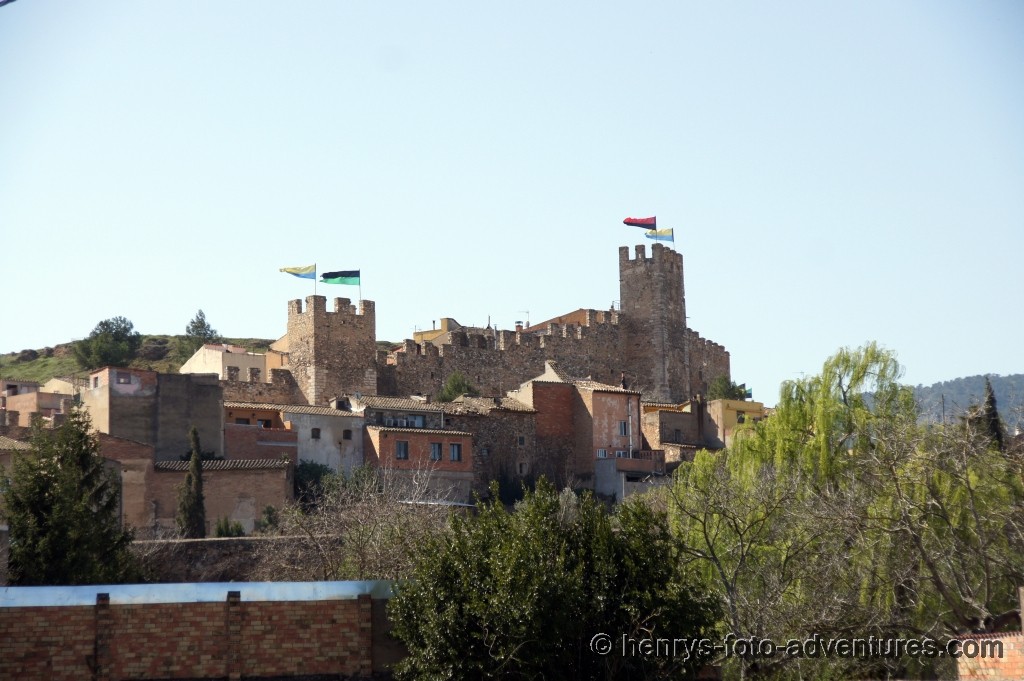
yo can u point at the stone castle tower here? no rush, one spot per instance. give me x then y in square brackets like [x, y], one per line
[653, 306]
[330, 353]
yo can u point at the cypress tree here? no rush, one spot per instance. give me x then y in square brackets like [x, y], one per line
[992, 424]
[191, 504]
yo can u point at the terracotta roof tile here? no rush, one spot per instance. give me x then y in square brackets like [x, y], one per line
[8, 444]
[406, 403]
[225, 465]
[431, 431]
[293, 408]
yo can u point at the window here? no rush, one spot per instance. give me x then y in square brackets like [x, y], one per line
[522, 440]
[435, 451]
[346, 434]
[623, 429]
[740, 417]
[315, 434]
[679, 436]
[265, 423]
[621, 454]
[123, 378]
[602, 453]
[522, 468]
[455, 451]
[95, 381]
[401, 450]
[242, 422]
[415, 420]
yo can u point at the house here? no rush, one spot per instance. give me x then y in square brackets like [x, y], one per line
[36, 403]
[439, 460]
[325, 435]
[504, 439]
[232, 363]
[682, 429]
[591, 430]
[157, 409]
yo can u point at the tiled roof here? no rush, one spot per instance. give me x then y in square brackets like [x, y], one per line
[602, 387]
[8, 444]
[291, 408]
[405, 403]
[484, 405]
[431, 431]
[225, 465]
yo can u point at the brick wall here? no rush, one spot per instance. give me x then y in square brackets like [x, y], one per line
[254, 442]
[239, 495]
[229, 638]
[1006, 668]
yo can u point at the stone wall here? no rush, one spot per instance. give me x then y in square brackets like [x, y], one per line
[282, 389]
[504, 441]
[331, 353]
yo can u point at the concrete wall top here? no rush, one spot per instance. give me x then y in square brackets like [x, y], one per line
[213, 592]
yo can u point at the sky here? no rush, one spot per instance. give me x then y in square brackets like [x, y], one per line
[835, 173]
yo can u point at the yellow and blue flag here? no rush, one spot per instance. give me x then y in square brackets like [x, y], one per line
[661, 235]
[307, 272]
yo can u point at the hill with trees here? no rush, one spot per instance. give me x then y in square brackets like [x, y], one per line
[952, 398]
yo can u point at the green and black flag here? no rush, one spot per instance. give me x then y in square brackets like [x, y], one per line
[341, 277]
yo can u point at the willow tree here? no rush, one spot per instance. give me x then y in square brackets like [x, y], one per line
[841, 514]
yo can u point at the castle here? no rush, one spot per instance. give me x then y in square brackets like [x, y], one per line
[644, 345]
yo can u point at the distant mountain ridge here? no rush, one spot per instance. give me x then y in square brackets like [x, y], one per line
[954, 396]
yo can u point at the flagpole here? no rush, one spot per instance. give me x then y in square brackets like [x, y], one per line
[314, 279]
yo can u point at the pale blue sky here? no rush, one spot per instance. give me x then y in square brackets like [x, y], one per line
[835, 172]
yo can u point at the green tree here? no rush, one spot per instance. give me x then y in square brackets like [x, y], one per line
[191, 503]
[229, 528]
[114, 342]
[993, 424]
[721, 388]
[62, 507]
[198, 332]
[526, 594]
[841, 514]
[456, 385]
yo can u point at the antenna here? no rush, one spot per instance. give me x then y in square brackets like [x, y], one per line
[527, 313]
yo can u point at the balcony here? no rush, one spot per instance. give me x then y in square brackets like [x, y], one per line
[642, 461]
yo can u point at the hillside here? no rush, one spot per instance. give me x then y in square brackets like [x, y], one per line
[961, 393]
[158, 353]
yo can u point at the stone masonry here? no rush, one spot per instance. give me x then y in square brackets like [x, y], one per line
[646, 344]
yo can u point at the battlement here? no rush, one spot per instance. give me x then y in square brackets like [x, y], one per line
[661, 256]
[317, 305]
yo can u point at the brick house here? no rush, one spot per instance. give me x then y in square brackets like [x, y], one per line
[441, 458]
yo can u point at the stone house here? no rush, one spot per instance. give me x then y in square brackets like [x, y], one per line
[581, 423]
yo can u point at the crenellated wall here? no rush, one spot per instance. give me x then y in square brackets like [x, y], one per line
[646, 344]
[282, 389]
